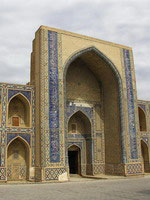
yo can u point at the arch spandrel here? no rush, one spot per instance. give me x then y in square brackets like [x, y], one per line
[111, 50]
[80, 52]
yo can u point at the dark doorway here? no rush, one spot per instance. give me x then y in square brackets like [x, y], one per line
[74, 160]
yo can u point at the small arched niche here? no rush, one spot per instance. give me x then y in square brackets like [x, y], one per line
[142, 120]
[19, 112]
[18, 160]
[79, 124]
[145, 156]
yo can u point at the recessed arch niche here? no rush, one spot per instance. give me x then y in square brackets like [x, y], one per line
[145, 156]
[142, 120]
[19, 111]
[90, 77]
[18, 153]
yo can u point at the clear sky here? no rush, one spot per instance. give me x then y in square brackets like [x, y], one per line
[125, 22]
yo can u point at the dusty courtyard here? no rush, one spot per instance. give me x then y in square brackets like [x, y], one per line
[77, 188]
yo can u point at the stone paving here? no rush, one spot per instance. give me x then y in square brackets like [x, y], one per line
[80, 189]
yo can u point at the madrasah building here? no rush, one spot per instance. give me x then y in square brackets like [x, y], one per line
[79, 114]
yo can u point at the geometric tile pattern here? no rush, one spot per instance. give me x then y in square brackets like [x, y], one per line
[145, 139]
[2, 173]
[53, 174]
[53, 97]
[22, 172]
[9, 172]
[8, 133]
[142, 106]
[11, 136]
[99, 169]
[78, 144]
[44, 103]
[27, 94]
[131, 107]
[73, 109]
[136, 168]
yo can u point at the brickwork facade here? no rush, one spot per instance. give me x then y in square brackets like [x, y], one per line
[78, 114]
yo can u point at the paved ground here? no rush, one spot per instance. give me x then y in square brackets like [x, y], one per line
[80, 189]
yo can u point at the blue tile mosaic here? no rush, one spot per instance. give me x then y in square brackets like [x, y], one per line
[27, 94]
[71, 109]
[145, 139]
[130, 100]
[142, 106]
[11, 136]
[53, 97]
[79, 144]
[79, 136]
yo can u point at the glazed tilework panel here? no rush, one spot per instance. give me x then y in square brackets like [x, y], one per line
[53, 97]
[8, 133]
[136, 168]
[145, 139]
[11, 136]
[11, 93]
[131, 107]
[44, 101]
[71, 109]
[99, 168]
[79, 136]
[20, 130]
[3, 134]
[79, 144]
[142, 106]
[2, 174]
[54, 173]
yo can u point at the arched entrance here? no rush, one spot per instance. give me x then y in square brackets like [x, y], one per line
[90, 78]
[74, 160]
[17, 160]
[142, 119]
[145, 156]
[80, 126]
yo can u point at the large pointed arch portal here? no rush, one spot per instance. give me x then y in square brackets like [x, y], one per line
[91, 78]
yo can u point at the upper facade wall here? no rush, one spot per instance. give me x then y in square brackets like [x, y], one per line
[53, 51]
[74, 44]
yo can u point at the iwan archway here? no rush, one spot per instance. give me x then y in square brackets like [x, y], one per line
[92, 81]
[18, 160]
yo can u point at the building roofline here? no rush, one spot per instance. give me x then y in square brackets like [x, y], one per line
[83, 36]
